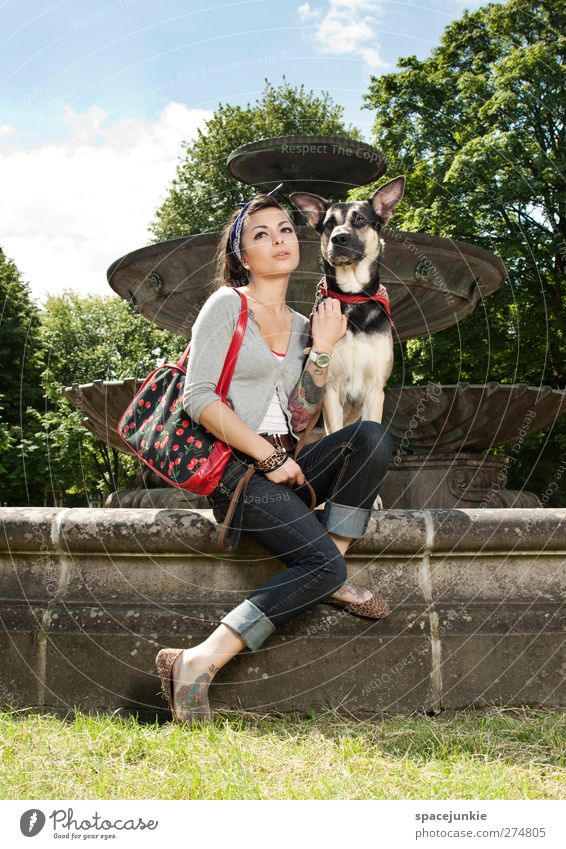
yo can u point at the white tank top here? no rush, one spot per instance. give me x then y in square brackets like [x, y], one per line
[274, 420]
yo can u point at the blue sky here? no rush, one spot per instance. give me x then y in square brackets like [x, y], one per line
[96, 98]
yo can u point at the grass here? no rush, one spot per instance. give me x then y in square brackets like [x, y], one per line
[493, 753]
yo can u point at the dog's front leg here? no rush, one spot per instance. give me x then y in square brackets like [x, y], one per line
[332, 411]
[372, 410]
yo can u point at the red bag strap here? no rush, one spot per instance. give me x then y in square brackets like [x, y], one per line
[183, 358]
[233, 350]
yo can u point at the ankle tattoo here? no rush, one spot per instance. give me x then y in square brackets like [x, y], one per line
[193, 695]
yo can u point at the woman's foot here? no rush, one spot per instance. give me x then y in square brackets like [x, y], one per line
[191, 677]
[369, 605]
[352, 593]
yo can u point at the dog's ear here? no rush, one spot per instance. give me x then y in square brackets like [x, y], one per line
[312, 207]
[387, 197]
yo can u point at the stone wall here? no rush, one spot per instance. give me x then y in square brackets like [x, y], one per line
[477, 598]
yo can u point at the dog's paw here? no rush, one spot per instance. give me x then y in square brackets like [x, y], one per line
[378, 503]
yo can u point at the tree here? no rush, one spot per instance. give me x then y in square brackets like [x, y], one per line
[21, 462]
[203, 194]
[86, 339]
[478, 129]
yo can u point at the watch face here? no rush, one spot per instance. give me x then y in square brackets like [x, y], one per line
[323, 359]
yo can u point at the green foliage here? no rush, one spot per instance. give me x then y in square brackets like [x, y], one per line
[21, 462]
[97, 337]
[202, 194]
[478, 129]
[86, 339]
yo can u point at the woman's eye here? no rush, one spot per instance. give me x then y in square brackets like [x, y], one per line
[286, 229]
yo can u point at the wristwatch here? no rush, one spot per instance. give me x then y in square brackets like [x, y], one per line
[322, 360]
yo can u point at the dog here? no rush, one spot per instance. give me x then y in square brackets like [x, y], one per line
[352, 249]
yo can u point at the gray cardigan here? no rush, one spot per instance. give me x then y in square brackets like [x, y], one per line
[258, 372]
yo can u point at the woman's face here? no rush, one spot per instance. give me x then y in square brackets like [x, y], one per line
[269, 244]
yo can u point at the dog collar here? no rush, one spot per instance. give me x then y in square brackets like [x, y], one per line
[381, 296]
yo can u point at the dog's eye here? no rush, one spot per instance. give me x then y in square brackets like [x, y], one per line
[329, 225]
[359, 221]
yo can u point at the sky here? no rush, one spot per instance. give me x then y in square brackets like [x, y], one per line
[97, 97]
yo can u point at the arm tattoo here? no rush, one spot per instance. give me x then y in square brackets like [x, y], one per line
[306, 398]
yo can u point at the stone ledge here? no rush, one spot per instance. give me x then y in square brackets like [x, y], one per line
[179, 531]
[477, 606]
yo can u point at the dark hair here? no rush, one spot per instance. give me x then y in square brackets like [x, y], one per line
[229, 270]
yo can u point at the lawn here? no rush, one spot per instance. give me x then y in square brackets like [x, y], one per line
[493, 753]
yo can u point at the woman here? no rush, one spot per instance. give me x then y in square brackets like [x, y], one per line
[274, 393]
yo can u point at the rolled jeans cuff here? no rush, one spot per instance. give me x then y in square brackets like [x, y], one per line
[344, 520]
[250, 623]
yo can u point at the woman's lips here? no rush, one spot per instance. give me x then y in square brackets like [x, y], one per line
[282, 255]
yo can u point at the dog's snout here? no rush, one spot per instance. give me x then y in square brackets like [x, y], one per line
[340, 238]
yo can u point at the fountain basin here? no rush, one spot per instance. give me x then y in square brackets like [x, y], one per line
[421, 419]
[334, 164]
[432, 282]
[450, 418]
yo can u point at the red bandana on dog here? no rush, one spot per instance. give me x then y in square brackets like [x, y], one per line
[381, 295]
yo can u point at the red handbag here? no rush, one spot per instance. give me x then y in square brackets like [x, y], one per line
[157, 428]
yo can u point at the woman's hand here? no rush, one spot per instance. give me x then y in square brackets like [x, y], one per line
[328, 325]
[289, 472]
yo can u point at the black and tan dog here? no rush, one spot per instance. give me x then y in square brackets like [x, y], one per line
[352, 249]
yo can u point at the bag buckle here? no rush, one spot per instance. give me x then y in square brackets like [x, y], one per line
[278, 442]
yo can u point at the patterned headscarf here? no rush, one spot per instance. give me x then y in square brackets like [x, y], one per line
[235, 235]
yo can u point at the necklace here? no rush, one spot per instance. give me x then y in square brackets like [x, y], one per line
[256, 300]
[261, 304]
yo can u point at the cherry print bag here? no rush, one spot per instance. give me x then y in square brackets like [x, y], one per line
[156, 427]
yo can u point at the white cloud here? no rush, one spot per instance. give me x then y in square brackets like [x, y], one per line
[373, 59]
[347, 27]
[306, 12]
[340, 35]
[71, 208]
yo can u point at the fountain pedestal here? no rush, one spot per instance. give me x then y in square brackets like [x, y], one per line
[451, 480]
[89, 596]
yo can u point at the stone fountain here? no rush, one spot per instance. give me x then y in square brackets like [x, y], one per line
[476, 593]
[442, 433]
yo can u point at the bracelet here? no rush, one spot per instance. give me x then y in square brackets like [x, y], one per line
[269, 464]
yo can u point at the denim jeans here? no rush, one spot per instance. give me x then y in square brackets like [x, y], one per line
[346, 470]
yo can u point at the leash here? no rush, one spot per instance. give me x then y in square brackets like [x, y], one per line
[237, 497]
[382, 297]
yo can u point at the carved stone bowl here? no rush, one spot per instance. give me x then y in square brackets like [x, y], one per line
[432, 282]
[421, 419]
[329, 166]
[468, 417]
